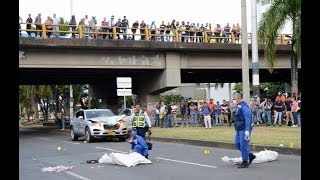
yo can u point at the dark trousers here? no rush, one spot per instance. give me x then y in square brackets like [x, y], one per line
[38, 27]
[157, 119]
[104, 36]
[142, 131]
[73, 34]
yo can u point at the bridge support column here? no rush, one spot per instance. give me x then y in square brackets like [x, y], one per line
[172, 71]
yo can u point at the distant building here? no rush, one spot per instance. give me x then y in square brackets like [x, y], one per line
[200, 92]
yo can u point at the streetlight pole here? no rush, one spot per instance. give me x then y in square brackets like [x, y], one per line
[71, 8]
[254, 50]
[244, 49]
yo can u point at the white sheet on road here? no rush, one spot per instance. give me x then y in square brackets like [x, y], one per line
[124, 159]
[261, 157]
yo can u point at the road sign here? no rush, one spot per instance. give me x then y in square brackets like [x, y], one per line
[124, 82]
[124, 92]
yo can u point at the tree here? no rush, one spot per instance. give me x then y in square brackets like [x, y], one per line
[27, 100]
[171, 98]
[64, 26]
[268, 90]
[44, 94]
[273, 21]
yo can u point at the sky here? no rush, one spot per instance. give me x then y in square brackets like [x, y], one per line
[211, 11]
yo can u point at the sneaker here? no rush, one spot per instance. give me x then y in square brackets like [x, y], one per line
[251, 157]
[244, 164]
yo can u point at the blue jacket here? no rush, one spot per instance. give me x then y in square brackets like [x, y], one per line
[206, 110]
[139, 145]
[243, 117]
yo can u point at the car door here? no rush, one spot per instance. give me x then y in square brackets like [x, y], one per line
[77, 122]
[82, 124]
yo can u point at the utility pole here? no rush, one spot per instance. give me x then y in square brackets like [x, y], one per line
[244, 49]
[71, 8]
[254, 50]
[71, 102]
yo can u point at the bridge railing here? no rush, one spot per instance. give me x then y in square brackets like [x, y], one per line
[147, 34]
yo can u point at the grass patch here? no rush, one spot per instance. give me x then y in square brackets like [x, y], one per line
[261, 135]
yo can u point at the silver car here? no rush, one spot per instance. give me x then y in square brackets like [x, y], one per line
[97, 123]
[127, 113]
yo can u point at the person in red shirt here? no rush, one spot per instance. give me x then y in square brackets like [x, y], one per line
[280, 97]
[212, 108]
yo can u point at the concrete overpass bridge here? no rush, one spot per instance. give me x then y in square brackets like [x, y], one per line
[155, 67]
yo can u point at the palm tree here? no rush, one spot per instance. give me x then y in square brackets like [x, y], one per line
[273, 21]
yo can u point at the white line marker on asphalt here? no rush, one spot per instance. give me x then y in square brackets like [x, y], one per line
[76, 175]
[185, 162]
[71, 142]
[45, 138]
[111, 149]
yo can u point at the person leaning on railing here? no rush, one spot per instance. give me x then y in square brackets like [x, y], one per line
[20, 21]
[28, 26]
[49, 25]
[135, 26]
[104, 24]
[37, 21]
[73, 24]
[142, 31]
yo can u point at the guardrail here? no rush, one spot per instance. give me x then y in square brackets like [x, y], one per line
[146, 34]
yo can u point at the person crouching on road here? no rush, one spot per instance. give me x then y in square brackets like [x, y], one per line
[243, 129]
[138, 144]
[140, 121]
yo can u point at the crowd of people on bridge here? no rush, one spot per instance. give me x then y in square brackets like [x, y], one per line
[166, 32]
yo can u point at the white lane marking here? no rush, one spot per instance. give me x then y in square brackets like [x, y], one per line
[111, 149]
[77, 175]
[70, 142]
[44, 138]
[185, 162]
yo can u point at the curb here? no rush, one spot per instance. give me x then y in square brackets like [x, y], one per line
[280, 150]
[254, 147]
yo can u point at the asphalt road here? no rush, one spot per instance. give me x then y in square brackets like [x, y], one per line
[38, 149]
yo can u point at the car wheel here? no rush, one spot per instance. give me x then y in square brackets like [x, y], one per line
[74, 137]
[122, 138]
[89, 138]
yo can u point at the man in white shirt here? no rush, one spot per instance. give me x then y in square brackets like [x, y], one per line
[56, 22]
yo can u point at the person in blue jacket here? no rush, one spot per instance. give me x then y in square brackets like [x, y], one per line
[243, 127]
[138, 144]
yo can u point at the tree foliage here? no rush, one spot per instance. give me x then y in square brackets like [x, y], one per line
[268, 90]
[270, 25]
[64, 26]
[171, 98]
[47, 96]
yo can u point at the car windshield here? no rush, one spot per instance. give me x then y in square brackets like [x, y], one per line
[126, 112]
[104, 113]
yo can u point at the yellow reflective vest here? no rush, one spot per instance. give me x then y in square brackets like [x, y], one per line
[139, 120]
